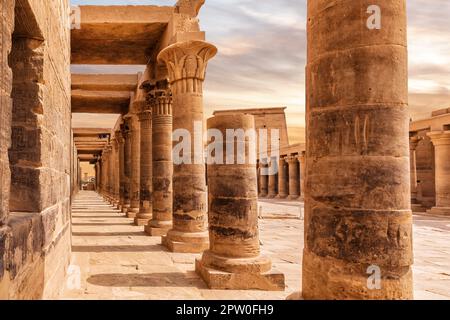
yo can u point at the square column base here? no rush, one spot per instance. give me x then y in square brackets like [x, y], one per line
[415, 207]
[295, 296]
[184, 247]
[440, 211]
[156, 232]
[220, 280]
[140, 222]
[131, 214]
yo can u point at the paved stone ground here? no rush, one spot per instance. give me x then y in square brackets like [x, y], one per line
[117, 260]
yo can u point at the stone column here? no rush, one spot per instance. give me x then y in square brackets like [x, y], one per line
[106, 154]
[441, 142]
[357, 199]
[273, 177]
[99, 175]
[135, 166]
[263, 179]
[121, 157]
[116, 174]
[294, 177]
[234, 260]
[162, 196]
[145, 193]
[186, 63]
[126, 133]
[302, 161]
[103, 175]
[413, 142]
[283, 178]
[111, 173]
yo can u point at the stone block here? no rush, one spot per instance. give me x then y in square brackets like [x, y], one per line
[219, 280]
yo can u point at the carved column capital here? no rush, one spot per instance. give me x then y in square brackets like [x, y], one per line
[291, 159]
[159, 97]
[413, 142]
[186, 63]
[439, 138]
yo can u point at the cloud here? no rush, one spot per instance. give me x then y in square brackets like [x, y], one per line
[262, 54]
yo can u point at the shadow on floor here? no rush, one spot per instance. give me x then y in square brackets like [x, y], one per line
[119, 248]
[174, 279]
[99, 217]
[102, 224]
[109, 234]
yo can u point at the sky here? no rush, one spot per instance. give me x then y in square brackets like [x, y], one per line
[262, 55]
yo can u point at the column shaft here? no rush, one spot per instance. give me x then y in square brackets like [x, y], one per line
[233, 221]
[263, 178]
[441, 142]
[127, 165]
[273, 178]
[162, 195]
[283, 183]
[186, 63]
[145, 193]
[294, 178]
[358, 222]
[135, 167]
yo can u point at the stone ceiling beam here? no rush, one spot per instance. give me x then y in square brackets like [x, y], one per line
[112, 102]
[105, 82]
[90, 132]
[118, 34]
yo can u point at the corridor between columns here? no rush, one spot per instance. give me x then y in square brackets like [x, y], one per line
[112, 258]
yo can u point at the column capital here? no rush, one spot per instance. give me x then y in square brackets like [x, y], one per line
[187, 60]
[159, 96]
[145, 115]
[439, 137]
[291, 159]
[119, 134]
[414, 141]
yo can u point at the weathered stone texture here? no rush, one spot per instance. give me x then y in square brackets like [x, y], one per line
[41, 149]
[186, 63]
[357, 201]
[233, 260]
[6, 28]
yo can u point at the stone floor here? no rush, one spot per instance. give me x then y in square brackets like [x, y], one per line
[112, 259]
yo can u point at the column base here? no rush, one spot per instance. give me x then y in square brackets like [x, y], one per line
[246, 277]
[262, 195]
[295, 296]
[184, 242]
[141, 221]
[132, 213]
[156, 232]
[294, 197]
[440, 211]
[271, 195]
[125, 208]
[281, 196]
[417, 207]
[157, 228]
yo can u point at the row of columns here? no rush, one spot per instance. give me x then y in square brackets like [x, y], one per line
[441, 143]
[168, 200]
[357, 199]
[282, 177]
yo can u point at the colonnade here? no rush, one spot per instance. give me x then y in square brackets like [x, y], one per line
[282, 177]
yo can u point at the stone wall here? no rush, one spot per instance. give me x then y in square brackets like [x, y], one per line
[35, 238]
